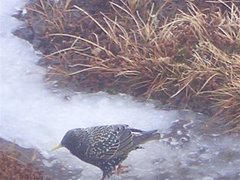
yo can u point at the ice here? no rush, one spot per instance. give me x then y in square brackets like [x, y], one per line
[35, 117]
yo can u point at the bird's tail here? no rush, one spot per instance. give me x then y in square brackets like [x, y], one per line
[145, 136]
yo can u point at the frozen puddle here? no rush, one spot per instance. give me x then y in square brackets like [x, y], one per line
[33, 117]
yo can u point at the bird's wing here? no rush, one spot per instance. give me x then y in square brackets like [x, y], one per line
[109, 141]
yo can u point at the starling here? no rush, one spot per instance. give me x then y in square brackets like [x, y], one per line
[105, 146]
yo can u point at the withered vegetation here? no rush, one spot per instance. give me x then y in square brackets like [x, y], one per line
[18, 165]
[186, 53]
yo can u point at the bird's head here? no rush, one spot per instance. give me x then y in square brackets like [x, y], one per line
[71, 140]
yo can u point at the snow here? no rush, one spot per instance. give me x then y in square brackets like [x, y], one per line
[35, 117]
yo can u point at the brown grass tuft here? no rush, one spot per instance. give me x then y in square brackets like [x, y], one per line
[186, 54]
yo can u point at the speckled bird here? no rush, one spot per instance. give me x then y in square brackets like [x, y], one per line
[106, 146]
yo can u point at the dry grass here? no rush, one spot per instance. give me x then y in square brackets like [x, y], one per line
[16, 164]
[188, 54]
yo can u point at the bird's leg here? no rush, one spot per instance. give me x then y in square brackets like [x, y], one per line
[119, 169]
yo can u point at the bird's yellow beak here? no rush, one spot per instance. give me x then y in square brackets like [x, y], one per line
[56, 147]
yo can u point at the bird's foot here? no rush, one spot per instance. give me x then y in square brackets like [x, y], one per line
[120, 169]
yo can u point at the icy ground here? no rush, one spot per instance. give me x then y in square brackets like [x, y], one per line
[32, 116]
